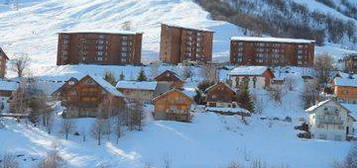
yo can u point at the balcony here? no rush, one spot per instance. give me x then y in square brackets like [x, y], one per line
[329, 121]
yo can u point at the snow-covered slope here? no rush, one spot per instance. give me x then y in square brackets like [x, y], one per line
[33, 28]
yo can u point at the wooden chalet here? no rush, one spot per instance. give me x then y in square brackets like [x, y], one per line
[251, 76]
[7, 88]
[170, 77]
[220, 95]
[89, 96]
[173, 105]
[68, 84]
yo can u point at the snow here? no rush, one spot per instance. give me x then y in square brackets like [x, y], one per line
[187, 27]
[314, 107]
[140, 85]
[249, 70]
[8, 85]
[106, 86]
[227, 109]
[347, 82]
[352, 108]
[272, 39]
[104, 31]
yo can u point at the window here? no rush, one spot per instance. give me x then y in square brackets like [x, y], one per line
[124, 37]
[124, 43]
[124, 48]
[323, 136]
[124, 54]
[344, 91]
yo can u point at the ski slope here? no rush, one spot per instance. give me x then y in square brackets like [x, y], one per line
[33, 28]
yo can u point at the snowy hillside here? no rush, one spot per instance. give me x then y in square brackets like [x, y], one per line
[33, 28]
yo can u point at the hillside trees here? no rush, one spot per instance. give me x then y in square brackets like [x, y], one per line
[351, 159]
[109, 77]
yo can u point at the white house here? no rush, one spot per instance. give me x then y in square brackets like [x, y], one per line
[252, 76]
[330, 120]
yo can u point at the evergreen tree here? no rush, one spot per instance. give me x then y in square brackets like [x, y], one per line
[245, 100]
[141, 76]
[122, 76]
[109, 77]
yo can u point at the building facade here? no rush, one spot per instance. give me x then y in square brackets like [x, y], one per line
[180, 44]
[345, 89]
[351, 63]
[220, 95]
[330, 120]
[272, 51]
[89, 96]
[99, 48]
[171, 78]
[259, 77]
[3, 61]
[173, 105]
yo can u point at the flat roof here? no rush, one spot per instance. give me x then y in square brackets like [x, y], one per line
[271, 39]
[187, 27]
[96, 31]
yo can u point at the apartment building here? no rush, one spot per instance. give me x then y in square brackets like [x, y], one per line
[180, 44]
[269, 51]
[103, 48]
[3, 60]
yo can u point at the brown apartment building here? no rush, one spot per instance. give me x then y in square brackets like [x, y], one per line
[3, 60]
[351, 63]
[269, 51]
[99, 48]
[179, 44]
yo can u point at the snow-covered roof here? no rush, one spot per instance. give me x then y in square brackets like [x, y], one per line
[224, 83]
[143, 85]
[272, 39]
[106, 86]
[227, 109]
[346, 82]
[249, 70]
[352, 108]
[316, 106]
[187, 27]
[190, 92]
[102, 31]
[8, 85]
[3, 53]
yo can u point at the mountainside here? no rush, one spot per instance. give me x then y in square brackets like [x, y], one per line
[33, 28]
[325, 21]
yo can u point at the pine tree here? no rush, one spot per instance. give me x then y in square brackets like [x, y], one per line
[245, 100]
[122, 76]
[141, 76]
[109, 77]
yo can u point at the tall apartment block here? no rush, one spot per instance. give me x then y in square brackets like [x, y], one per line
[179, 44]
[3, 60]
[99, 48]
[351, 63]
[272, 51]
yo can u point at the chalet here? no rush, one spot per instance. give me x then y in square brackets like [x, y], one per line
[3, 60]
[68, 84]
[345, 89]
[7, 87]
[173, 105]
[85, 97]
[220, 95]
[142, 90]
[330, 120]
[251, 76]
[170, 77]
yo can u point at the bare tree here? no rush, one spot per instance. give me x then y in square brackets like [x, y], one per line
[187, 72]
[98, 130]
[9, 161]
[20, 63]
[290, 83]
[127, 26]
[52, 160]
[84, 134]
[277, 94]
[324, 66]
[68, 127]
[210, 72]
[136, 115]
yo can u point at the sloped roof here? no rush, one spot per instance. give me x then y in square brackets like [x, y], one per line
[168, 71]
[272, 39]
[139, 85]
[65, 85]
[318, 105]
[345, 82]
[173, 90]
[2, 51]
[106, 85]
[8, 85]
[215, 85]
[249, 70]
[352, 108]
